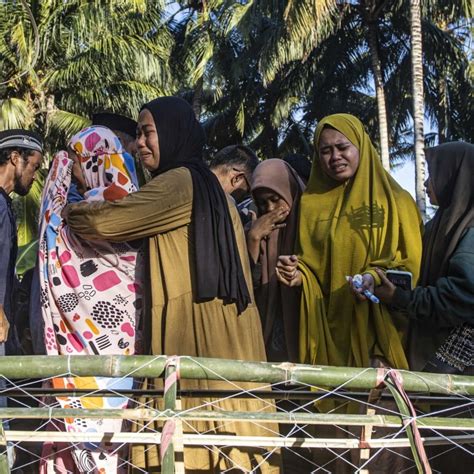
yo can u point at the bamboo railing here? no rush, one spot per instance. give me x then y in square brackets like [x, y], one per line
[329, 378]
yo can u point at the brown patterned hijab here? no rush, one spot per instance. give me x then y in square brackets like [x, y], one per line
[451, 170]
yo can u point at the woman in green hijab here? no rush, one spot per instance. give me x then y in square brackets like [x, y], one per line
[354, 217]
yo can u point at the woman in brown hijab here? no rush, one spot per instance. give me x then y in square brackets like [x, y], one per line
[276, 189]
[441, 307]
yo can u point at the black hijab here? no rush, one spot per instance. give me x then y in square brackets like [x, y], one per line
[181, 138]
[451, 170]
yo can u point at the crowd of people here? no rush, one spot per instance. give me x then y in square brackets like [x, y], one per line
[242, 258]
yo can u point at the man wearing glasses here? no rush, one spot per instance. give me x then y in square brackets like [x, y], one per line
[233, 167]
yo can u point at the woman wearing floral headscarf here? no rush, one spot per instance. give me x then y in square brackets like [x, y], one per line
[90, 293]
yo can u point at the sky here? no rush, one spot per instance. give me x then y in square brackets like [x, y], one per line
[405, 176]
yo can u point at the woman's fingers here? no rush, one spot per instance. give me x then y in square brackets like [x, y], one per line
[290, 261]
[357, 292]
[281, 278]
[295, 279]
[383, 277]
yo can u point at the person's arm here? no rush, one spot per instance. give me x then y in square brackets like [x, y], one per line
[164, 204]
[450, 301]
[5, 249]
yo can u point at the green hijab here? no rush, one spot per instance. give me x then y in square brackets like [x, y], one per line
[347, 228]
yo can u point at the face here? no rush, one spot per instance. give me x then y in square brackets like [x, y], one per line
[430, 192]
[127, 142]
[268, 201]
[148, 147]
[25, 171]
[239, 184]
[77, 174]
[339, 157]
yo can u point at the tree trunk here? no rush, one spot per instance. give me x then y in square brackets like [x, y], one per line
[197, 97]
[380, 93]
[418, 109]
[443, 117]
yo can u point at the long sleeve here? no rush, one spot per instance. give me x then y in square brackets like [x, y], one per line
[164, 204]
[5, 250]
[450, 301]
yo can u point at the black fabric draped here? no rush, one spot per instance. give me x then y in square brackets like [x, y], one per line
[451, 170]
[218, 266]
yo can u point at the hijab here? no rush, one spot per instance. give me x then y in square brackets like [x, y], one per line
[272, 297]
[347, 228]
[219, 272]
[90, 291]
[451, 170]
[103, 163]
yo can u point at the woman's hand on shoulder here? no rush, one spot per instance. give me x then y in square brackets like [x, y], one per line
[287, 270]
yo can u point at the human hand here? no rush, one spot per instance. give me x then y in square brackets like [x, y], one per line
[386, 290]
[367, 285]
[4, 325]
[266, 224]
[65, 213]
[287, 270]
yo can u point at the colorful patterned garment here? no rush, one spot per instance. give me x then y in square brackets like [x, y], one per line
[90, 292]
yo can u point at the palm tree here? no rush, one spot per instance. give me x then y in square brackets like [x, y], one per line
[418, 108]
[61, 61]
[373, 8]
[84, 56]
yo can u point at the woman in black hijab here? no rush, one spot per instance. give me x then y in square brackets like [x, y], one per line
[441, 307]
[202, 303]
[181, 140]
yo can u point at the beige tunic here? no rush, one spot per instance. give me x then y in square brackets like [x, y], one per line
[161, 211]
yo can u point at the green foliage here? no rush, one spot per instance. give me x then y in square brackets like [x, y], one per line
[259, 72]
[27, 255]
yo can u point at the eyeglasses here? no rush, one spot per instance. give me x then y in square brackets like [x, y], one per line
[247, 182]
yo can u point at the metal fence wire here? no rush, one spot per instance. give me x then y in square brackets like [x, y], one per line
[184, 414]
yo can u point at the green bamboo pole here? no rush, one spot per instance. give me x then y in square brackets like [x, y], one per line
[4, 464]
[294, 393]
[146, 414]
[190, 439]
[404, 410]
[15, 367]
[171, 385]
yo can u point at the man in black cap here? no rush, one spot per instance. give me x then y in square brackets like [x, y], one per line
[125, 128]
[21, 153]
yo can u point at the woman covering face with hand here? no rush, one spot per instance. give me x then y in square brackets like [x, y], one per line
[354, 217]
[276, 189]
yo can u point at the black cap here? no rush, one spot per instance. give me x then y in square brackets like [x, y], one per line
[18, 138]
[115, 122]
